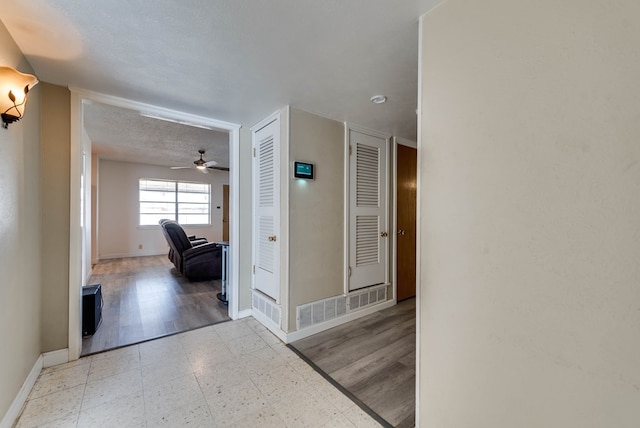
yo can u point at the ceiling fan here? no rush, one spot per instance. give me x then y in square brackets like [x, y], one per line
[202, 165]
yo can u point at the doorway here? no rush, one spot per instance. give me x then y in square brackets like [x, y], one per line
[406, 170]
[81, 145]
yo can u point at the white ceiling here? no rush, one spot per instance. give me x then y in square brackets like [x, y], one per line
[125, 135]
[235, 61]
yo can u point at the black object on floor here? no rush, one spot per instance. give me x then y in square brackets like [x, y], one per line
[222, 298]
[91, 309]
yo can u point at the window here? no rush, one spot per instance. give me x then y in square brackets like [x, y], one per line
[186, 202]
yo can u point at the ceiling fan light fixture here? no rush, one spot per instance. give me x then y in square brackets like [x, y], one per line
[202, 165]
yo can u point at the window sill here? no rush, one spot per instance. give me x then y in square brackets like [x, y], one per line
[184, 226]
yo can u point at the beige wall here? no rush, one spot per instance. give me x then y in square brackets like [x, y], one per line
[19, 238]
[118, 232]
[530, 199]
[54, 190]
[316, 211]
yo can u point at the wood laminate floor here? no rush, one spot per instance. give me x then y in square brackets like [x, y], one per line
[373, 358]
[146, 298]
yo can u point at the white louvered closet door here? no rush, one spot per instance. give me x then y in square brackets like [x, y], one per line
[266, 199]
[368, 231]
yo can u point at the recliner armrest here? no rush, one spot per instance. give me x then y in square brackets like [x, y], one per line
[199, 250]
[202, 262]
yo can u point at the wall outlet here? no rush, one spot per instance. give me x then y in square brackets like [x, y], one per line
[139, 246]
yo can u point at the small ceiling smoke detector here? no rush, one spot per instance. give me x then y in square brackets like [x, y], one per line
[378, 99]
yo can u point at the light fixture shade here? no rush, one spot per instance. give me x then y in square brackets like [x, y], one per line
[14, 87]
[378, 99]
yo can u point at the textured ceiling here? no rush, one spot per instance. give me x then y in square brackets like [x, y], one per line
[125, 135]
[235, 61]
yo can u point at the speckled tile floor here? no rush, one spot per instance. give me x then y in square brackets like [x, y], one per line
[234, 374]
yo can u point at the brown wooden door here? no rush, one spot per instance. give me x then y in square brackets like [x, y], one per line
[225, 212]
[406, 221]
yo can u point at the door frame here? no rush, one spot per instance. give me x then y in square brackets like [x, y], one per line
[278, 209]
[394, 266]
[76, 242]
[348, 127]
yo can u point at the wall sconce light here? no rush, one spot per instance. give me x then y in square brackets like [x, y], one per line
[14, 87]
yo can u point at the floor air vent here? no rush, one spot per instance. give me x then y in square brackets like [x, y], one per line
[267, 307]
[334, 307]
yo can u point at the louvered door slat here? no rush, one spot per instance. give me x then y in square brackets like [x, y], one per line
[367, 175]
[366, 240]
[265, 251]
[265, 171]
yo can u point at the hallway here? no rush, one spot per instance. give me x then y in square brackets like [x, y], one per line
[233, 374]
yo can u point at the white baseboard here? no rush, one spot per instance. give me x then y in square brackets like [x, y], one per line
[317, 328]
[267, 322]
[16, 407]
[55, 358]
[244, 313]
[127, 255]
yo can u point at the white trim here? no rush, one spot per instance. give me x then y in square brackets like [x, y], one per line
[266, 121]
[78, 97]
[21, 398]
[418, 223]
[156, 112]
[75, 232]
[233, 285]
[269, 324]
[350, 316]
[122, 255]
[367, 131]
[285, 190]
[55, 358]
[347, 204]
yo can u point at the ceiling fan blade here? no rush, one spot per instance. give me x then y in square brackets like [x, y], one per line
[200, 164]
[219, 168]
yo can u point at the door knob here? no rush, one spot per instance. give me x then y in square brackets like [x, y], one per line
[272, 238]
[401, 232]
[384, 234]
